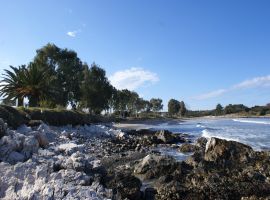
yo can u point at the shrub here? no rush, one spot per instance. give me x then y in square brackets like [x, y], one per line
[12, 116]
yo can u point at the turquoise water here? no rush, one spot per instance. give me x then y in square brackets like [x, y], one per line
[251, 131]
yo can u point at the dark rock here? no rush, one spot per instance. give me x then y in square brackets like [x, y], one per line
[153, 166]
[186, 148]
[3, 128]
[201, 142]
[33, 123]
[227, 153]
[125, 185]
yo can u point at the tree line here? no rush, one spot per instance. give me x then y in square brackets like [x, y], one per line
[58, 78]
[232, 109]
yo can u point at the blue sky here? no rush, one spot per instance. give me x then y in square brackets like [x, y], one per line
[202, 52]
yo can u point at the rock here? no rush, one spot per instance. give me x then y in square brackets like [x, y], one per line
[125, 185]
[70, 148]
[33, 123]
[30, 146]
[165, 136]
[227, 153]
[201, 142]
[186, 148]
[153, 166]
[9, 143]
[3, 128]
[15, 157]
[42, 138]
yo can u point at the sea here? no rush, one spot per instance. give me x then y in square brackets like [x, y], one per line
[254, 132]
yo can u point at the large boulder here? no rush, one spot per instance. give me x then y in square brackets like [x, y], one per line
[227, 153]
[154, 166]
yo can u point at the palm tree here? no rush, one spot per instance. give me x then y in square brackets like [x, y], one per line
[11, 85]
[32, 82]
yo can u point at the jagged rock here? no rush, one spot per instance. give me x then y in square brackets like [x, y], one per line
[227, 153]
[41, 137]
[201, 142]
[186, 148]
[168, 137]
[125, 185]
[30, 146]
[153, 166]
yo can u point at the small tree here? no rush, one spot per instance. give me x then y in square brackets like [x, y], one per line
[219, 109]
[173, 107]
[156, 104]
[183, 109]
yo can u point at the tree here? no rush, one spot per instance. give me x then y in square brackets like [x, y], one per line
[67, 67]
[32, 82]
[236, 108]
[11, 84]
[219, 109]
[96, 89]
[183, 109]
[173, 107]
[156, 104]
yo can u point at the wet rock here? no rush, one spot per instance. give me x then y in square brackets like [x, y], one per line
[168, 137]
[201, 142]
[186, 148]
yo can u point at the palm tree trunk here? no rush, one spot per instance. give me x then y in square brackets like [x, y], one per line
[20, 101]
[33, 101]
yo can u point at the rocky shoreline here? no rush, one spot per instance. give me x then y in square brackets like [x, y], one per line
[101, 162]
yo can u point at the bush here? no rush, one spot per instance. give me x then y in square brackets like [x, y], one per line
[3, 128]
[12, 116]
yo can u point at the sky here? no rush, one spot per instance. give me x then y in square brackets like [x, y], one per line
[201, 52]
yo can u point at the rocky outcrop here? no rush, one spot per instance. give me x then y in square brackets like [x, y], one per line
[187, 148]
[223, 170]
[227, 153]
[125, 185]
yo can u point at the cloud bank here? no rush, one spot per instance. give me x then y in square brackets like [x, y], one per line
[133, 78]
[257, 82]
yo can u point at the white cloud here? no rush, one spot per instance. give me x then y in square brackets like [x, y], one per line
[133, 78]
[72, 33]
[263, 81]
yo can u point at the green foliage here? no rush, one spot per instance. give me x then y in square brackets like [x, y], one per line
[236, 108]
[96, 89]
[156, 104]
[68, 70]
[32, 82]
[219, 109]
[12, 84]
[183, 109]
[12, 116]
[173, 107]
